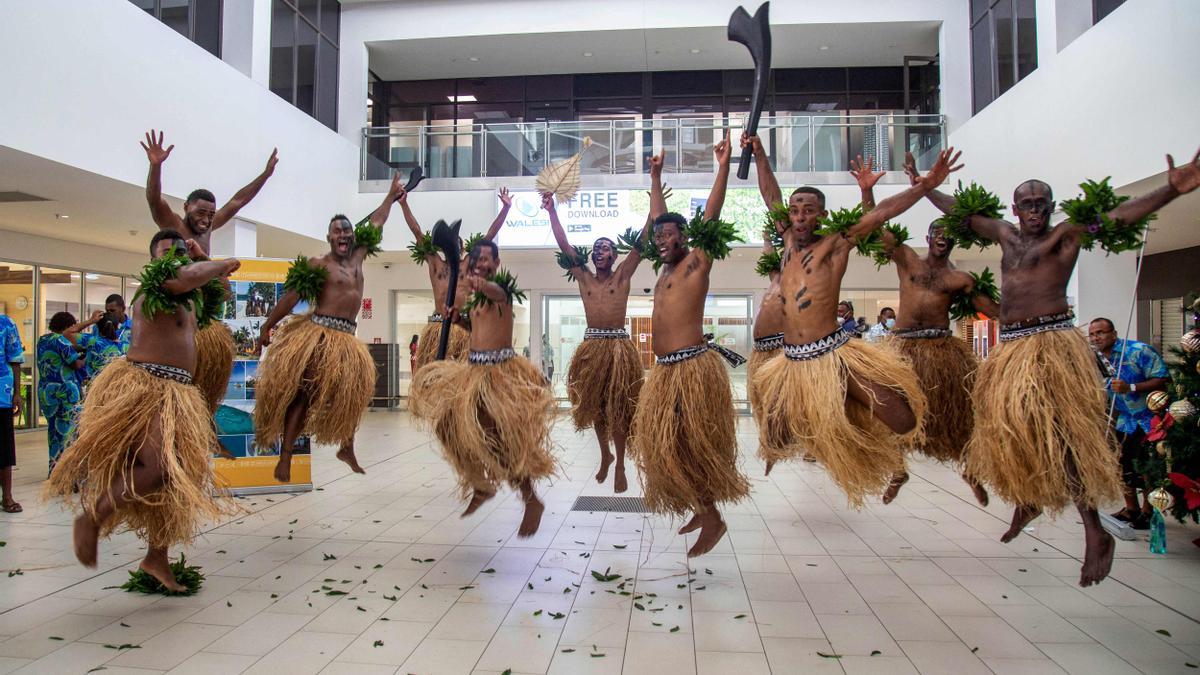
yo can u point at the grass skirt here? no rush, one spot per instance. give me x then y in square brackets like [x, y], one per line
[493, 421]
[603, 382]
[124, 403]
[805, 409]
[427, 344]
[945, 368]
[214, 363]
[1039, 401]
[333, 368]
[683, 437]
[756, 361]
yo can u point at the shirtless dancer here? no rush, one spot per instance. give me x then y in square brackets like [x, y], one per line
[493, 411]
[853, 405]
[141, 457]
[439, 279]
[318, 378]
[215, 346]
[1040, 437]
[683, 436]
[605, 376]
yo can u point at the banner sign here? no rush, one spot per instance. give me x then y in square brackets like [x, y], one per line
[589, 215]
[247, 468]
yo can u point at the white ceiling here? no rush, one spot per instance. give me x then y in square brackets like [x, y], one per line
[793, 46]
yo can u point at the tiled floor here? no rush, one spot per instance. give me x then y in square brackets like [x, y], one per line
[802, 584]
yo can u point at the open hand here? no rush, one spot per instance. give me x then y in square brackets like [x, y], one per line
[862, 173]
[655, 162]
[505, 197]
[154, 148]
[942, 168]
[271, 162]
[1184, 178]
[548, 202]
[910, 168]
[97, 314]
[722, 151]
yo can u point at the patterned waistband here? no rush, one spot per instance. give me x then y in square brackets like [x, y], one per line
[680, 355]
[490, 358]
[435, 318]
[605, 334]
[172, 373]
[817, 349]
[923, 333]
[769, 343]
[335, 323]
[1038, 324]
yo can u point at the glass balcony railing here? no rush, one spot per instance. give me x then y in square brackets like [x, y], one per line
[796, 143]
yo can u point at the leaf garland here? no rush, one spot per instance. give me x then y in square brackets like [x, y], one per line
[578, 258]
[306, 279]
[471, 241]
[713, 236]
[369, 237]
[212, 302]
[962, 306]
[777, 214]
[973, 200]
[422, 248]
[1090, 211]
[769, 263]
[189, 576]
[631, 240]
[154, 296]
[507, 282]
[877, 247]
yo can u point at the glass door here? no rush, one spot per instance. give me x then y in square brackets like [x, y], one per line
[17, 301]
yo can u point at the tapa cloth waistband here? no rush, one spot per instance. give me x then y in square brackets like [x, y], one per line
[490, 358]
[180, 375]
[769, 343]
[680, 355]
[923, 333]
[813, 350]
[335, 323]
[1037, 324]
[605, 334]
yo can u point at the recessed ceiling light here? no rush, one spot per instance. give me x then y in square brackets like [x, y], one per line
[92, 277]
[465, 98]
[61, 216]
[473, 59]
[695, 51]
[824, 48]
[588, 54]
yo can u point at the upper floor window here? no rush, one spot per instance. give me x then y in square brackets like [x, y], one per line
[304, 55]
[1003, 46]
[1102, 8]
[196, 20]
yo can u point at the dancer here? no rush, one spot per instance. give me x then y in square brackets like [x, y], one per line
[140, 459]
[493, 411]
[683, 436]
[852, 404]
[425, 253]
[61, 371]
[605, 375]
[318, 378]
[215, 349]
[1040, 438]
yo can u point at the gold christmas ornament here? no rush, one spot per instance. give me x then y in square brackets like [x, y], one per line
[1157, 400]
[1181, 409]
[1161, 499]
[1191, 341]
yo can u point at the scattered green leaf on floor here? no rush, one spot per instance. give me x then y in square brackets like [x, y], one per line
[335, 592]
[378, 643]
[228, 603]
[639, 606]
[123, 647]
[465, 588]
[390, 597]
[55, 637]
[974, 649]
[675, 629]
[187, 575]
[490, 570]
[707, 571]
[596, 656]
[568, 651]
[274, 595]
[1162, 631]
[538, 613]
[875, 652]
[567, 589]
[379, 566]
[16, 573]
[329, 556]
[829, 656]
[557, 615]
[620, 545]
[740, 616]
[1022, 569]
[359, 608]
[124, 625]
[293, 522]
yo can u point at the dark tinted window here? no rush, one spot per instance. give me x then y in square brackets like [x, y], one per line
[877, 79]
[598, 85]
[686, 83]
[801, 80]
[304, 61]
[196, 20]
[1102, 8]
[1003, 48]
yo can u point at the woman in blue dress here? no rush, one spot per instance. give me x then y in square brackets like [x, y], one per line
[59, 363]
[101, 346]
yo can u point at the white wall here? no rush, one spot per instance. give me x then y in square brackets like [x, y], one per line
[84, 79]
[32, 249]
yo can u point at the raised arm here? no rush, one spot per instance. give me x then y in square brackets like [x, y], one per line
[282, 308]
[72, 332]
[505, 205]
[899, 203]
[768, 187]
[989, 228]
[866, 180]
[985, 305]
[160, 210]
[195, 275]
[716, 198]
[491, 289]
[242, 197]
[658, 201]
[414, 225]
[1180, 181]
[380, 215]
[560, 236]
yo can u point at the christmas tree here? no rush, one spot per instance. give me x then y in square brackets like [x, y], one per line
[1175, 436]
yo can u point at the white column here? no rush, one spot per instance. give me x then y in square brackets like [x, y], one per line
[246, 38]
[237, 239]
[1105, 286]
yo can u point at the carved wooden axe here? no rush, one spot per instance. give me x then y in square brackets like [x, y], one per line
[445, 237]
[755, 33]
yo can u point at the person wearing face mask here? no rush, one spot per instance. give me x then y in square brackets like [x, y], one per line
[887, 321]
[1041, 439]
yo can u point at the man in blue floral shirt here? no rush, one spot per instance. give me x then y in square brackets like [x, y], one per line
[1135, 369]
[10, 405]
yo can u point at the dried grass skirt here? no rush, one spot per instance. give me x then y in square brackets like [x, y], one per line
[603, 382]
[945, 368]
[215, 351]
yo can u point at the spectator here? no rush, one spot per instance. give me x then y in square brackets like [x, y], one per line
[412, 354]
[1136, 369]
[10, 406]
[547, 358]
[887, 319]
[845, 316]
[58, 363]
[115, 306]
[101, 346]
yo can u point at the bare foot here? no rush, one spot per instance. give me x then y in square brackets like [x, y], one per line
[711, 532]
[620, 484]
[981, 494]
[1022, 516]
[477, 501]
[87, 532]
[283, 469]
[770, 465]
[159, 567]
[893, 489]
[692, 525]
[606, 459]
[1097, 558]
[533, 517]
[347, 456]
